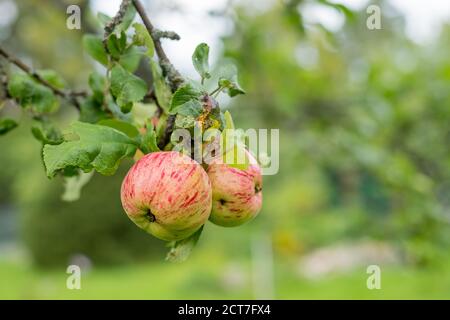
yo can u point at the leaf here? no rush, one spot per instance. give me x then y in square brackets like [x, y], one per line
[180, 250]
[191, 108]
[127, 20]
[162, 90]
[130, 59]
[126, 88]
[142, 38]
[184, 94]
[200, 60]
[97, 84]
[93, 45]
[53, 78]
[91, 110]
[228, 79]
[31, 94]
[116, 45]
[97, 147]
[74, 184]
[7, 125]
[185, 122]
[148, 143]
[47, 133]
[103, 18]
[229, 124]
[232, 86]
[122, 126]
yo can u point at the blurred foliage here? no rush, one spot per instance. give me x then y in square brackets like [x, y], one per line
[364, 124]
[364, 128]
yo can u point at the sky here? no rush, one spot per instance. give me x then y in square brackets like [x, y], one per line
[195, 25]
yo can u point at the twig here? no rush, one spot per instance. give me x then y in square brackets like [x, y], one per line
[115, 21]
[158, 34]
[174, 77]
[68, 95]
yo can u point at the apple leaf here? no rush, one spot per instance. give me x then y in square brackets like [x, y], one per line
[91, 110]
[116, 44]
[126, 88]
[228, 79]
[162, 90]
[130, 58]
[142, 38]
[200, 60]
[74, 184]
[185, 101]
[126, 21]
[93, 45]
[47, 133]
[120, 125]
[180, 250]
[31, 94]
[149, 143]
[96, 147]
[229, 123]
[7, 125]
[103, 18]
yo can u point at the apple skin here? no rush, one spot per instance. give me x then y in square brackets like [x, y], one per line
[237, 194]
[167, 194]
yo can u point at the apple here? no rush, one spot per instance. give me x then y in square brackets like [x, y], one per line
[167, 194]
[236, 193]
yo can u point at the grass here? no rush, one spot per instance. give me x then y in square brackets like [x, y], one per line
[211, 278]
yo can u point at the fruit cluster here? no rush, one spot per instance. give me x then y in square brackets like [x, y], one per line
[171, 196]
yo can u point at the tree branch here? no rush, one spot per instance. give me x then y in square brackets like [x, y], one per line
[115, 21]
[68, 95]
[173, 76]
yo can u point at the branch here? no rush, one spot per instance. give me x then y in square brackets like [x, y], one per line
[174, 77]
[115, 21]
[68, 95]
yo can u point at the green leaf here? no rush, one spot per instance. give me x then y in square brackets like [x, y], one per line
[116, 45]
[126, 88]
[31, 94]
[74, 184]
[103, 18]
[228, 80]
[229, 123]
[97, 147]
[127, 20]
[148, 143]
[122, 126]
[7, 125]
[181, 250]
[97, 84]
[91, 111]
[183, 95]
[142, 38]
[186, 122]
[191, 108]
[162, 90]
[200, 60]
[130, 59]
[53, 78]
[93, 45]
[47, 133]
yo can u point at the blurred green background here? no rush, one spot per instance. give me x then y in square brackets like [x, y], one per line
[364, 119]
